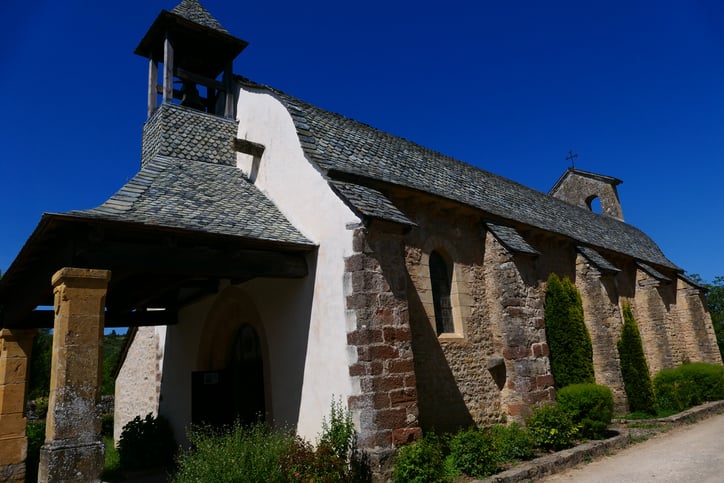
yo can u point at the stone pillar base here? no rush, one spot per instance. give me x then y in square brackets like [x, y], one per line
[66, 462]
[12, 473]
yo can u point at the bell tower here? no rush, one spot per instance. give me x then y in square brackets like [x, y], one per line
[582, 188]
[191, 88]
[195, 51]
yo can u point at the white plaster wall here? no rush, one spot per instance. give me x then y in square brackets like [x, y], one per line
[138, 384]
[304, 197]
[180, 357]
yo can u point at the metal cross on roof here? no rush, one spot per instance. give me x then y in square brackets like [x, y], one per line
[572, 158]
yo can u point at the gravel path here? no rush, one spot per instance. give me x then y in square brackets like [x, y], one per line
[693, 453]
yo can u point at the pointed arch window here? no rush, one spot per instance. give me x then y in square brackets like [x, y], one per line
[441, 281]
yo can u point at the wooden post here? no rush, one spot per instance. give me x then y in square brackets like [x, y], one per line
[73, 450]
[152, 85]
[229, 86]
[15, 348]
[167, 70]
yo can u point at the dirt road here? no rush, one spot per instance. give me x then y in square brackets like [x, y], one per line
[693, 453]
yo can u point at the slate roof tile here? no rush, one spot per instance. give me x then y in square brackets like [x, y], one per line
[511, 239]
[197, 196]
[596, 259]
[194, 11]
[342, 144]
[370, 202]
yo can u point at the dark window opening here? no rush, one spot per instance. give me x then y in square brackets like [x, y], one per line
[441, 281]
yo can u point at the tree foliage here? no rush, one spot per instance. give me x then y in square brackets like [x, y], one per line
[40, 361]
[635, 371]
[715, 302]
[571, 351]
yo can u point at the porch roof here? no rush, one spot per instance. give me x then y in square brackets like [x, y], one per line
[168, 236]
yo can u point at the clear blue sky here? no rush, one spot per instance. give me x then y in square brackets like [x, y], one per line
[636, 88]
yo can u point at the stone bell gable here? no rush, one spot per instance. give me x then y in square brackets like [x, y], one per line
[581, 188]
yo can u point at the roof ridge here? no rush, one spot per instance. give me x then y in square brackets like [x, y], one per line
[195, 12]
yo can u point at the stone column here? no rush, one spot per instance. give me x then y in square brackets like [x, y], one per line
[73, 450]
[15, 347]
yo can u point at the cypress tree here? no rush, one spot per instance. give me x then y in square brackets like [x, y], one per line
[571, 351]
[635, 371]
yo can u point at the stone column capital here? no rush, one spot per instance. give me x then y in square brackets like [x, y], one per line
[82, 277]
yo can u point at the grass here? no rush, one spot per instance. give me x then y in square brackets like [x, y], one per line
[112, 463]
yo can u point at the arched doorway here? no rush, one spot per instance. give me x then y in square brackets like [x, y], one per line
[246, 371]
[232, 379]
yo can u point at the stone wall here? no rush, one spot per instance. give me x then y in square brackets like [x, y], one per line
[653, 317]
[516, 297]
[699, 338]
[385, 404]
[604, 321]
[455, 388]
[138, 385]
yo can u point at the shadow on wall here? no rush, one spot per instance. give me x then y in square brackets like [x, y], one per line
[440, 404]
[278, 311]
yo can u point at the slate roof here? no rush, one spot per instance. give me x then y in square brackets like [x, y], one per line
[370, 202]
[194, 11]
[653, 272]
[339, 144]
[595, 258]
[511, 239]
[197, 196]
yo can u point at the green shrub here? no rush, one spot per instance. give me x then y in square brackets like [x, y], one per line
[635, 371]
[688, 385]
[590, 407]
[552, 428]
[107, 425]
[300, 462]
[474, 452]
[338, 431]
[571, 351]
[513, 442]
[146, 443]
[234, 454]
[420, 462]
[35, 432]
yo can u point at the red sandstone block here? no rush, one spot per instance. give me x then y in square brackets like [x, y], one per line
[381, 401]
[364, 337]
[515, 409]
[387, 383]
[403, 397]
[539, 322]
[400, 366]
[376, 368]
[410, 380]
[542, 382]
[385, 316]
[387, 419]
[377, 352]
[396, 334]
[512, 353]
[359, 402]
[358, 369]
[403, 436]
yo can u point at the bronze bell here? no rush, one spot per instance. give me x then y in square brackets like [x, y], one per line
[191, 98]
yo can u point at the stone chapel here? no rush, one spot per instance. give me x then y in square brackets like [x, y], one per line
[271, 257]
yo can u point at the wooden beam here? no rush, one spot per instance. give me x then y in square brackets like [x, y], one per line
[194, 262]
[249, 147]
[152, 83]
[228, 80]
[44, 319]
[198, 79]
[167, 69]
